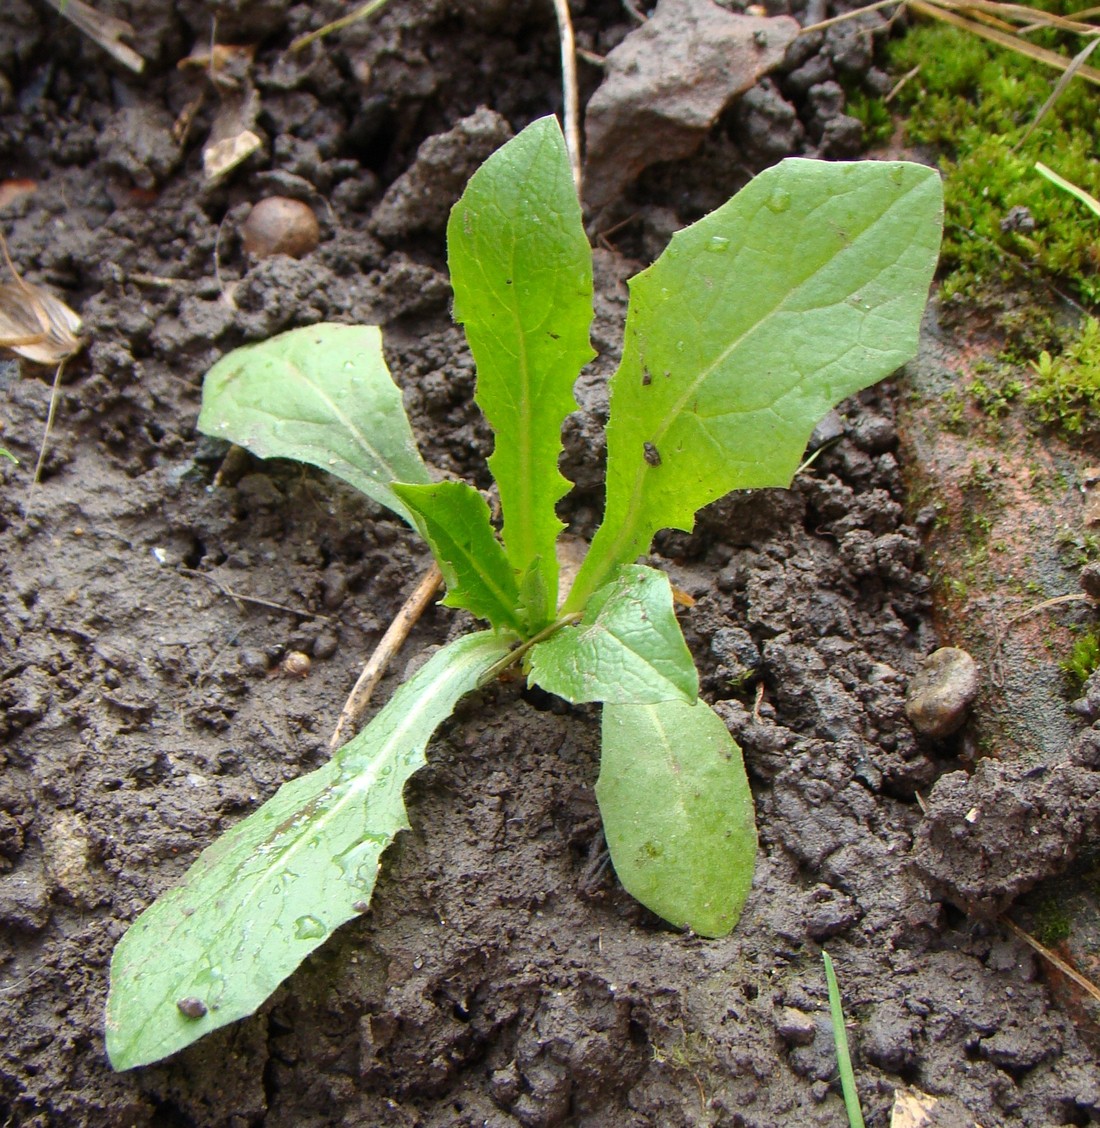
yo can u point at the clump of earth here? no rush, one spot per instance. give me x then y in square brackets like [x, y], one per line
[152, 591]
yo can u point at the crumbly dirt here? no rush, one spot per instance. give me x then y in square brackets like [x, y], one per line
[501, 977]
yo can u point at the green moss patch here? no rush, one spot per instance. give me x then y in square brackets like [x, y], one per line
[974, 102]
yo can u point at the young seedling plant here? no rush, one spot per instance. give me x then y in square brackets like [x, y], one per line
[804, 288]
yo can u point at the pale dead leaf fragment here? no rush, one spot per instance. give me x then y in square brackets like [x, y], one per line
[218, 157]
[912, 1109]
[36, 325]
[12, 190]
[41, 328]
[666, 84]
[234, 135]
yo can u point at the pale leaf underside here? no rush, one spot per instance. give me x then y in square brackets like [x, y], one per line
[321, 395]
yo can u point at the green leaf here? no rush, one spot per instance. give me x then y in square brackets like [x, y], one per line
[322, 395]
[627, 649]
[454, 520]
[273, 888]
[807, 286]
[677, 813]
[521, 269]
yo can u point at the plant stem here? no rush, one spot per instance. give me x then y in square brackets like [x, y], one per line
[513, 656]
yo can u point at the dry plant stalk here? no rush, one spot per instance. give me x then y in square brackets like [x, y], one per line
[390, 643]
[40, 328]
[997, 22]
[363, 12]
[105, 30]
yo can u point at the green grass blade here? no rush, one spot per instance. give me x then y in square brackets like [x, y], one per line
[321, 395]
[677, 812]
[275, 886]
[1086, 198]
[807, 286]
[843, 1057]
[521, 269]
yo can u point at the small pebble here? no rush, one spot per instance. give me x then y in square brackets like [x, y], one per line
[326, 645]
[296, 664]
[1090, 580]
[942, 692]
[795, 1027]
[280, 226]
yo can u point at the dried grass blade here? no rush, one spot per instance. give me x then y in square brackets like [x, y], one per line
[1012, 42]
[1023, 14]
[1064, 80]
[364, 11]
[821, 25]
[105, 30]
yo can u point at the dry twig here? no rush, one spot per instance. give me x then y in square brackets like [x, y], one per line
[41, 328]
[569, 89]
[1086, 985]
[390, 643]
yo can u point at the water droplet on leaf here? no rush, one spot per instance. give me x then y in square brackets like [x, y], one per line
[779, 201]
[718, 244]
[309, 928]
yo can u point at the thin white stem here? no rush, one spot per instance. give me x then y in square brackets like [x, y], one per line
[569, 88]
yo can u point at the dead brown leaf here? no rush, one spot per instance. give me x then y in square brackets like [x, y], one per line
[34, 324]
[41, 328]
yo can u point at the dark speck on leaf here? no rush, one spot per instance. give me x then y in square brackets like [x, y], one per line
[191, 1007]
[652, 455]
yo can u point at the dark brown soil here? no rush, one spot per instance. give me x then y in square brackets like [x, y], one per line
[501, 976]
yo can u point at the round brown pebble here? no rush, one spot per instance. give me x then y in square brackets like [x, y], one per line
[280, 226]
[296, 664]
[942, 691]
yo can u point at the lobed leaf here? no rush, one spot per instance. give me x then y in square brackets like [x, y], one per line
[454, 519]
[275, 886]
[521, 269]
[321, 395]
[677, 812]
[807, 286]
[627, 649]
